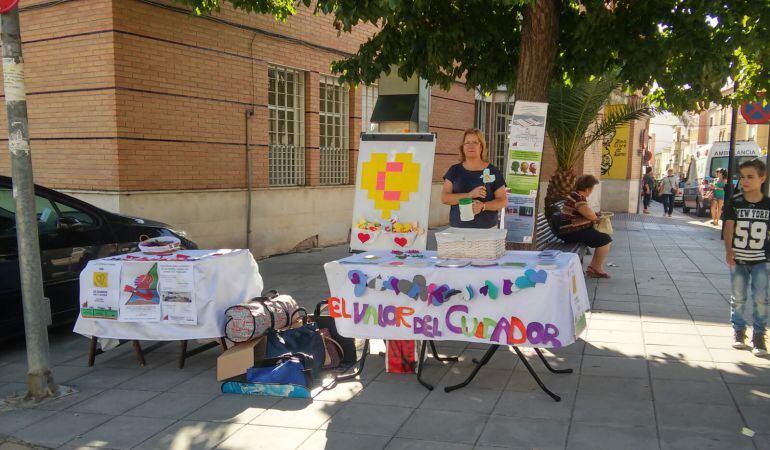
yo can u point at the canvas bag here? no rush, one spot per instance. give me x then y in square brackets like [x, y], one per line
[604, 225]
[251, 320]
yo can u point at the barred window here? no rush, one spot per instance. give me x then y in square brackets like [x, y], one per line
[286, 98]
[333, 119]
[368, 99]
[499, 146]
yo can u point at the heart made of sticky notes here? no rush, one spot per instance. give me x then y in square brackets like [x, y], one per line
[538, 276]
[363, 237]
[390, 183]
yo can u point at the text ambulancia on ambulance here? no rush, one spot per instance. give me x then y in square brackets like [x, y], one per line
[704, 163]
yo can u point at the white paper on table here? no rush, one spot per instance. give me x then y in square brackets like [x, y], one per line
[100, 290]
[176, 285]
[139, 297]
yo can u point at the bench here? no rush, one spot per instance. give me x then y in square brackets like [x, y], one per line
[546, 237]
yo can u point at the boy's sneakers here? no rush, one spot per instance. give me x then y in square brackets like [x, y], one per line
[739, 340]
[760, 348]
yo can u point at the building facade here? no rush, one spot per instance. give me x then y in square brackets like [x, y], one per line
[231, 127]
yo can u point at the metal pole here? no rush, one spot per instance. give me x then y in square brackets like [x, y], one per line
[40, 382]
[730, 158]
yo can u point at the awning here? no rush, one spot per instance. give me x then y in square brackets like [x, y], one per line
[396, 108]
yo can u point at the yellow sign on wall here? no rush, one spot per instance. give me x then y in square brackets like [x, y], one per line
[615, 151]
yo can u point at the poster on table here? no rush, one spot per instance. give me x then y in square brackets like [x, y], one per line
[522, 169]
[614, 163]
[393, 188]
[177, 293]
[510, 305]
[100, 290]
[139, 297]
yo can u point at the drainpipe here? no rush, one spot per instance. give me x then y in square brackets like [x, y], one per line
[247, 115]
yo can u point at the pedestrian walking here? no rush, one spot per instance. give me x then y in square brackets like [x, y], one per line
[746, 246]
[648, 184]
[669, 186]
[718, 199]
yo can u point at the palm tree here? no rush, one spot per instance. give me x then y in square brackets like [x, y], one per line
[574, 124]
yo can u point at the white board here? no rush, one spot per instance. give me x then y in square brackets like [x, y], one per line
[393, 187]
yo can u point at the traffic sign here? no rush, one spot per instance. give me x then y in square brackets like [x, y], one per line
[7, 5]
[755, 113]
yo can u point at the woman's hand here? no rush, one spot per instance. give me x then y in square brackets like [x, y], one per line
[478, 192]
[477, 207]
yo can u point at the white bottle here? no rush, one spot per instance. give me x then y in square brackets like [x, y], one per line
[466, 209]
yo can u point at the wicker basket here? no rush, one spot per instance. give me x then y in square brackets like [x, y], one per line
[471, 243]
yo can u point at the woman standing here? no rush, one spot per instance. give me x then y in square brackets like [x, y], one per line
[474, 178]
[719, 197]
[648, 184]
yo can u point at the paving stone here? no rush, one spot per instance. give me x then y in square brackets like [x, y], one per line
[15, 419]
[663, 327]
[61, 427]
[324, 439]
[160, 379]
[534, 405]
[257, 437]
[621, 337]
[615, 349]
[377, 420]
[685, 340]
[744, 373]
[190, 435]
[503, 359]
[615, 325]
[122, 432]
[233, 408]
[685, 440]
[202, 383]
[603, 409]
[298, 413]
[416, 444]
[678, 353]
[691, 370]
[699, 417]
[605, 437]
[410, 393]
[614, 367]
[170, 405]
[104, 377]
[113, 401]
[444, 426]
[70, 400]
[737, 357]
[468, 399]
[609, 305]
[342, 392]
[675, 391]
[495, 379]
[525, 433]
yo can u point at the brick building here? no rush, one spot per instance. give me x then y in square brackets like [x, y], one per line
[140, 108]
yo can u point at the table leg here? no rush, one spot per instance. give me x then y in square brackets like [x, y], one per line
[223, 343]
[534, 375]
[421, 363]
[441, 358]
[182, 354]
[548, 366]
[484, 359]
[92, 352]
[359, 363]
[138, 352]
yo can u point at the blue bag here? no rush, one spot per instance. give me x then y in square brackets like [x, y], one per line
[304, 339]
[285, 369]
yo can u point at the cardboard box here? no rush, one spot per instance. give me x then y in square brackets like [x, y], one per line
[236, 360]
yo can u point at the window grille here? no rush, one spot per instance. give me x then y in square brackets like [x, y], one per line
[499, 145]
[286, 99]
[333, 118]
[368, 99]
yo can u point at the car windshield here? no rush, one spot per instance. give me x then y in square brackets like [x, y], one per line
[720, 162]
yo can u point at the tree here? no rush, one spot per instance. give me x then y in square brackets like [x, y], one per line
[678, 52]
[574, 124]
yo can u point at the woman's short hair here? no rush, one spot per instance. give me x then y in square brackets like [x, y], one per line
[585, 182]
[480, 135]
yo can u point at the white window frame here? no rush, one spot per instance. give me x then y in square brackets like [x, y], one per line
[333, 118]
[369, 96]
[286, 115]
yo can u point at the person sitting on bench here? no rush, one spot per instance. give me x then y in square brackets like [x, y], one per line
[577, 225]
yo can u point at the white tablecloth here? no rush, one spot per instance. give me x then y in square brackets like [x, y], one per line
[525, 304]
[222, 278]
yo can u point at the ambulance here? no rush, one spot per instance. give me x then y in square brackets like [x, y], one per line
[704, 164]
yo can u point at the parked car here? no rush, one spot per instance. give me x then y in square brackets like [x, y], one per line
[71, 233]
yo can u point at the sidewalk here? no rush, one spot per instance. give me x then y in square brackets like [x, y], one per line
[654, 370]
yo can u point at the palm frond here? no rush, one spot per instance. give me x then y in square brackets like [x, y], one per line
[573, 123]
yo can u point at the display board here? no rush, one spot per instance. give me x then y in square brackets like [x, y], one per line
[393, 188]
[615, 151]
[522, 169]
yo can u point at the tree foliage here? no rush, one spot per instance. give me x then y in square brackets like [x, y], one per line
[678, 52]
